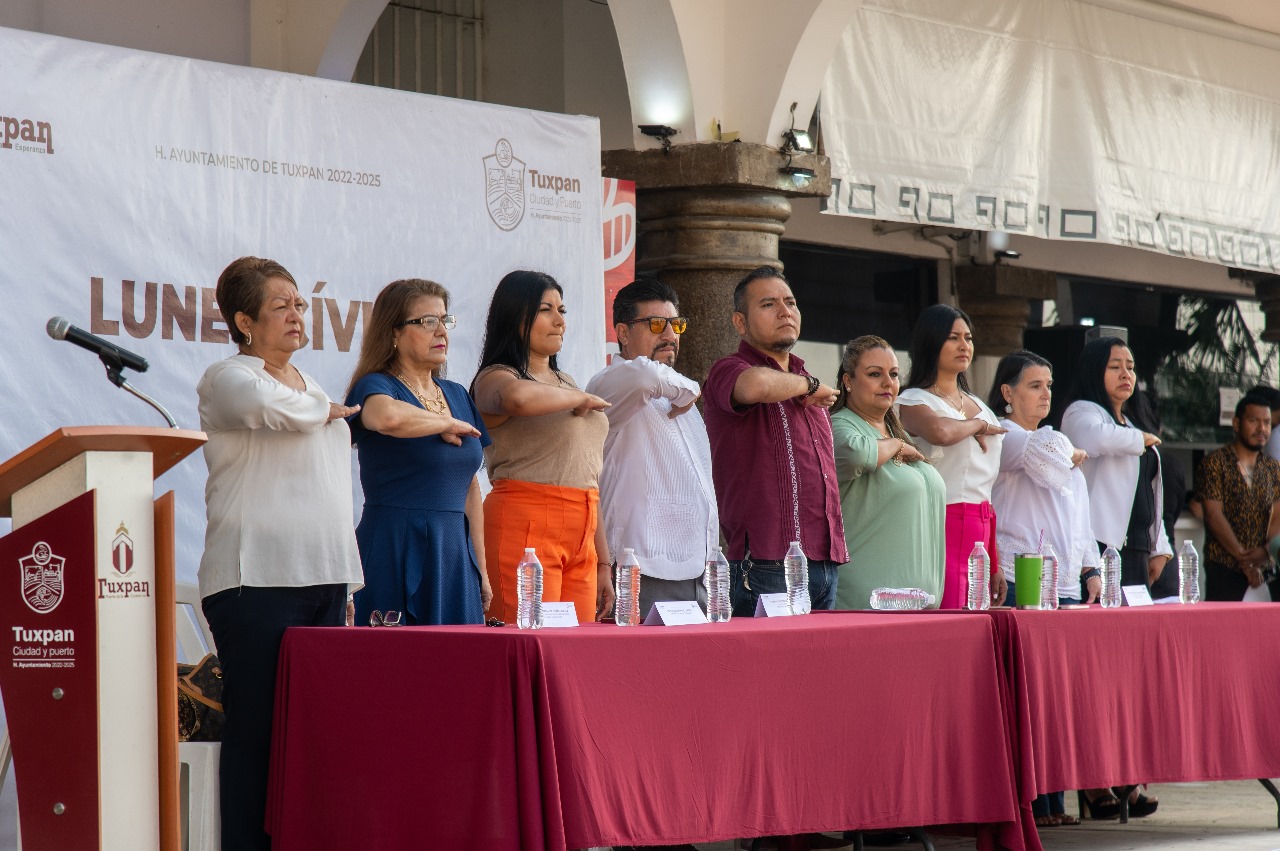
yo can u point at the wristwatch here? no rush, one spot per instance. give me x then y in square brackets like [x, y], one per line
[814, 384]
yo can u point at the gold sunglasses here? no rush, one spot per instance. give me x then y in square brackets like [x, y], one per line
[657, 323]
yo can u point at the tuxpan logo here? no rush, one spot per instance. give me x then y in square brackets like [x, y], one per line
[122, 551]
[23, 134]
[42, 579]
[504, 186]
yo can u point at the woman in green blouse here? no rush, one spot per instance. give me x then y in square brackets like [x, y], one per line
[894, 502]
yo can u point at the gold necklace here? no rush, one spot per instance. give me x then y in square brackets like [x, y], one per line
[959, 406]
[436, 405]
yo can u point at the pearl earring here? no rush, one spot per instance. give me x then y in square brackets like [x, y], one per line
[248, 339]
[1008, 409]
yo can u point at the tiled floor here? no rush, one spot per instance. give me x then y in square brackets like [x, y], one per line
[1203, 816]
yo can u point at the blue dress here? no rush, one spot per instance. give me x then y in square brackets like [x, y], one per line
[414, 539]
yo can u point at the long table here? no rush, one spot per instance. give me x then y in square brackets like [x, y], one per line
[479, 738]
[1142, 695]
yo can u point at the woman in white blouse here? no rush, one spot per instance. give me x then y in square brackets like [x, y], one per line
[280, 547]
[1126, 494]
[1041, 488]
[960, 436]
[1040, 497]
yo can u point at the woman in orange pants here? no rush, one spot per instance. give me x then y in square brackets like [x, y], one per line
[545, 459]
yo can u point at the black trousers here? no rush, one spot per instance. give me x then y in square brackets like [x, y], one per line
[248, 625]
[1225, 584]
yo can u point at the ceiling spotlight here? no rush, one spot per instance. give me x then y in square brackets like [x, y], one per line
[801, 177]
[661, 132]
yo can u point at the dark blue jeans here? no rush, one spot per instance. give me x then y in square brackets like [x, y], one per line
[768, 578]
[248, 625]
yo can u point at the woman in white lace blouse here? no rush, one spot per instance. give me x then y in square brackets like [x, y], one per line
[1040, 486]
[1040, 489]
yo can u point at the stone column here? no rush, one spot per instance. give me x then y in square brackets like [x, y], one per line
[708, 213]
[995, 297]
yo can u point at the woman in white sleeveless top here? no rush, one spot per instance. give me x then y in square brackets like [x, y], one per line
[960, 436]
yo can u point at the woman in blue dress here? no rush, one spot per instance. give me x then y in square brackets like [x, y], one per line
[419, 439]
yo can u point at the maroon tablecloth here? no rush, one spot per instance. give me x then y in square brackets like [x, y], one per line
[1151, 694]
[478, 738]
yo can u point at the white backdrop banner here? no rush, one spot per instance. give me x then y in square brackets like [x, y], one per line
[1058, 119]
[130, 180]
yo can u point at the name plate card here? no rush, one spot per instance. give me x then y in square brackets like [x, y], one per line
[558, 614]
[773, 606]
[675, 614]
[1137, 595]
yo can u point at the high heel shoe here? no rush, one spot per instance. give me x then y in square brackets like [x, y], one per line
[1140, 806]
[1101, 808]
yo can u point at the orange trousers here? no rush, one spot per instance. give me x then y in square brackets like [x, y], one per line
[558, 522]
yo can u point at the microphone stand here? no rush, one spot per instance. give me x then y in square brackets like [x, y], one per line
[115, 376]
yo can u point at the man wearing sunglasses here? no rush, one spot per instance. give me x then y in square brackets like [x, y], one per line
[656, 494]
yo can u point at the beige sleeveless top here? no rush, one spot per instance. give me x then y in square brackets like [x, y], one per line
[553, 449]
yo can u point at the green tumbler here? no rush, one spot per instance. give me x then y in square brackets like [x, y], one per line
[1026, 579]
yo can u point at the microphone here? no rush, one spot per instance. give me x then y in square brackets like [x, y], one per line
[60, 328]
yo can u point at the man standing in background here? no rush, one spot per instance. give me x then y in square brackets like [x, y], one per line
[1240, 487]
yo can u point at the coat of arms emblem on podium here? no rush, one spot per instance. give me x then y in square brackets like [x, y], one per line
[42, 579]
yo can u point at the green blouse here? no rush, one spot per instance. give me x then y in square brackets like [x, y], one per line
[894, 517]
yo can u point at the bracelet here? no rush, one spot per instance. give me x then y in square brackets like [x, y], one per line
[896, 458]
[1090, 574]
[814, 384]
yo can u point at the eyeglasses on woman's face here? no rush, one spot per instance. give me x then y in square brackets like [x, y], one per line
[430, 323]
[658, 323]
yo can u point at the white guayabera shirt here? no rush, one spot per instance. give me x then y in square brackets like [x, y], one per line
[656, 492]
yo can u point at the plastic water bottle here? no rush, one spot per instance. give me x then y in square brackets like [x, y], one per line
[1110, 598]
[716, 580]
[979, 579]
[626, 586]
[1049, 580]
[796, 568]
[1188, 574]
[901, 599]
[529, 591]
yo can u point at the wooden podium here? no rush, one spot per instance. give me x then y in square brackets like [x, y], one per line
[87, 599]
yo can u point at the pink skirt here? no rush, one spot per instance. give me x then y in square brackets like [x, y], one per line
[967, 523]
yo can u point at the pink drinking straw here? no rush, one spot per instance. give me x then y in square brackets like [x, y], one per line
[1040, 549]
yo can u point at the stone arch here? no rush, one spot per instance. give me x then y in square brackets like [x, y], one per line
[678, 53]
[322, 38]
[348, 38]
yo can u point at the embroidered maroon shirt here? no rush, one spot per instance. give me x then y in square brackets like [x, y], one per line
[774, 468]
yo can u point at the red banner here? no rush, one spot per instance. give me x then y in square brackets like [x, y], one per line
[50, 685]
[618, 215]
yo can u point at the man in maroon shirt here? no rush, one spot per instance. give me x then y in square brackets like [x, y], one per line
[771, 451]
